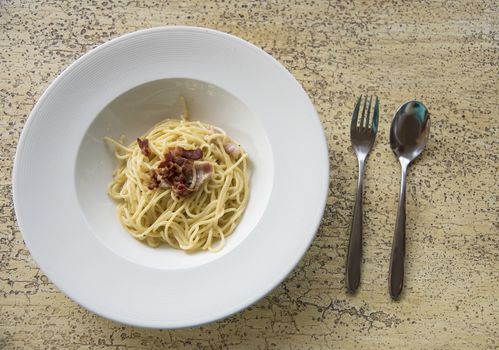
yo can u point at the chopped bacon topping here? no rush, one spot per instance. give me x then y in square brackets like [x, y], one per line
[154, 180]
[203, 172]
[180, 171]
[193, 154]
[144, 147]
[233, 150]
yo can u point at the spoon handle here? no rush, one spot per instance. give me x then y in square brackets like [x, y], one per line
[396, 272]
[354, 255]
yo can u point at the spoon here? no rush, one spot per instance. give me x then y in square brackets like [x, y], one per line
[409, 134]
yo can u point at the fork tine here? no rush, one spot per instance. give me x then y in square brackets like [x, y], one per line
[356, 112]
[376, 115]
[363, 113]
[369, 111]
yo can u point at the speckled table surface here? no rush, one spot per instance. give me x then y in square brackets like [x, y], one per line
[443, 54]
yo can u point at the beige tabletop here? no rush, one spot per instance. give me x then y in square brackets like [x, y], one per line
[444, 55]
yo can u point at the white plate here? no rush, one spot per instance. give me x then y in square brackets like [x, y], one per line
[62, 167]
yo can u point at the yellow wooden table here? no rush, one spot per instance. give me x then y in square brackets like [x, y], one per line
[444, 55]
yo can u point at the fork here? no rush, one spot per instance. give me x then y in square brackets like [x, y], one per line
[362, 136]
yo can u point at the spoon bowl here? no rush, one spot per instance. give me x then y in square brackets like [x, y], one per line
[409, 133]
[410, 130]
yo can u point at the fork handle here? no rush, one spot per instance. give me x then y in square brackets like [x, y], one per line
[396, 272]
[354, 255]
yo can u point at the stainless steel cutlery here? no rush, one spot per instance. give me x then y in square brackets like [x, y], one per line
[362, 134]
[409, 134]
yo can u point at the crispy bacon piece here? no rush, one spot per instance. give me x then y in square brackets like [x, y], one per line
[203, 172]
[154, 180]
[181, 172]
[232, 149]
[193, 154]
[144, 147]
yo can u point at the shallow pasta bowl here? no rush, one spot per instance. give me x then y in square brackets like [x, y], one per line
[62, 168]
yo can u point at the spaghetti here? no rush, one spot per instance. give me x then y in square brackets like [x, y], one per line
[183, 183]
